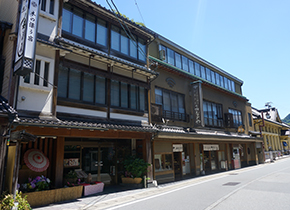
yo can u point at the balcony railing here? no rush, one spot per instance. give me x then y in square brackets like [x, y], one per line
[174, 115]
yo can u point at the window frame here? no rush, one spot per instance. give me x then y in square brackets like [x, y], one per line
[209, 119]
[33, 76]
[237, 117]
[47, 12]
[169, 113]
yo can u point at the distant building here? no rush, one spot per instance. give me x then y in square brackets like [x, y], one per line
[275, 133]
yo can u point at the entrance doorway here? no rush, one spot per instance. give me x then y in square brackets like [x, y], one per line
[210, 161]
[177, 165]
[100, 162]
[236, 158]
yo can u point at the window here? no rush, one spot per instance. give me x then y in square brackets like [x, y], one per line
[250, 119]
[163, 162]
[124, 95]
[78, 22]
[208, 74]
[212, 113]
[102, 32]
[88, 87]
[142, 49]
[120, 97]
[100, 90]
[81, 86]
[184, 63]
[135, 47]
[172, 104]
[115, 39]
[213, 79]
[237, 117]
[218, 80]
[178, 60]
[202, 70]
[191, 66]
[124, 43]
[115, 97]
[48, 6]
[170, 56]
[88, 28]
[42, 75]
[195, 68]
[233, 86]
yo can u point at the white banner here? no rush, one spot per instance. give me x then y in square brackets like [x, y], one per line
[211, 147]
[21, 30]
[31, 34]
[177, 147]
[27, 35]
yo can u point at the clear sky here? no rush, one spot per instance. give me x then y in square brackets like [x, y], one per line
[250, 39]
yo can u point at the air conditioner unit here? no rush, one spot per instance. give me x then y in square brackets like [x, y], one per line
[156, 109]
[229, 122]
[162, 55]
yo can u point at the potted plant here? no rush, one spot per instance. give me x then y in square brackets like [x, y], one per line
[135, 169]
[71, 177]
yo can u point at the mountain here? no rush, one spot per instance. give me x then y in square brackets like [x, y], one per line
[287, 119]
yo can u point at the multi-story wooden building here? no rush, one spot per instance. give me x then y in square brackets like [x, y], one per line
[202, 116]
[87, 97]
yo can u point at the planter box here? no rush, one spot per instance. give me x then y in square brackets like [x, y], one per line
[128, 180]
[42, 198]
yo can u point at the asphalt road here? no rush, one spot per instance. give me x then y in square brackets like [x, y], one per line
[265, 186]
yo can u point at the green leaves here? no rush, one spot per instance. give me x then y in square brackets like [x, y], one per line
[135, 167]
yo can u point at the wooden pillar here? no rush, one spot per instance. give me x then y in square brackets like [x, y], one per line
[109, 93]
[246, 151]
[99, 163]
[59, 156]
[16, 168]
[149, 156]
[55, 82]
[229, 156]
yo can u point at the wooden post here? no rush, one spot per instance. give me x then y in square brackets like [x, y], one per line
[16, 168]
[149, 156]
[99, 164]
[59, 156]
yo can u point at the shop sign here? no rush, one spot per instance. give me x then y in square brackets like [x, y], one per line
[27, 35]
[177, 147]
[197, 104]
[211, 147]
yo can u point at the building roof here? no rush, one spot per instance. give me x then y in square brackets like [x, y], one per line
[82, 124]
[195, 133]
[6, 109]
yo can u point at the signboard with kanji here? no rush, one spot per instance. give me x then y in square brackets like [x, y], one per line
[27, 35]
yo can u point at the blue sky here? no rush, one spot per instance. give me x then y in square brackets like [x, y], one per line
[250, 39]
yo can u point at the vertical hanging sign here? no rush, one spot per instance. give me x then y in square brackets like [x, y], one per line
[197, 104]
[27, 35]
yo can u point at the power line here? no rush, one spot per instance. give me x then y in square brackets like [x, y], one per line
[139, 11]
[131, 36]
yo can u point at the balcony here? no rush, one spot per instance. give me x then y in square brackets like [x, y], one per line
[158, 113]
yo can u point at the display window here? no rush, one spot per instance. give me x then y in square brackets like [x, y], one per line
[163, 162]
